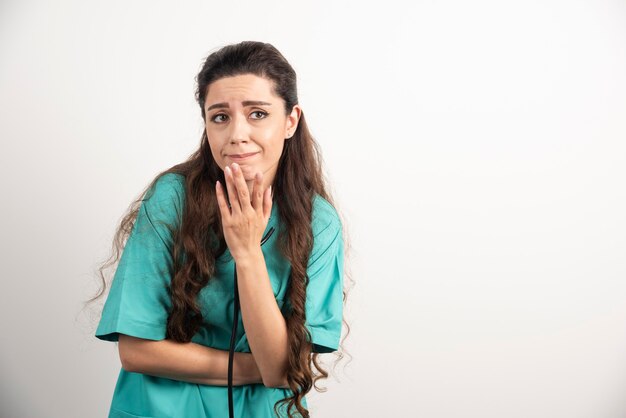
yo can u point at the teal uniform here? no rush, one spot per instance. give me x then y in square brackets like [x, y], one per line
[138, 305]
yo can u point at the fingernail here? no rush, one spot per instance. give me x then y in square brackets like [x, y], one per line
[227, 170]
[235, 167]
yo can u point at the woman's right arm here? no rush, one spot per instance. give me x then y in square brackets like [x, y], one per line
[189, 362]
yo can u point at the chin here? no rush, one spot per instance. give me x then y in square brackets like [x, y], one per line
[248, 171]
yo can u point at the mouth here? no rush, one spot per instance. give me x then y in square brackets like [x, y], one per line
[239, 157]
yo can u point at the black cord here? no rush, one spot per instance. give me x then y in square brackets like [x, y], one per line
[231, 351]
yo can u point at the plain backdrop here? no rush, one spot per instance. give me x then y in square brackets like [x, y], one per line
[476, 151]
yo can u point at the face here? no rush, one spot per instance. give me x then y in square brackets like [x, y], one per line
[246, 123]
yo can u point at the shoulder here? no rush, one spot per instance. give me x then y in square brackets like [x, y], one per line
[167, 186]
[325, 218]
[166, 195]
[327, 234]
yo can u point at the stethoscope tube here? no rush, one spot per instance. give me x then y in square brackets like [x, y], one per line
[231, 351]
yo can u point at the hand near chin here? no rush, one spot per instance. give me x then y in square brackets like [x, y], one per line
[245, 221]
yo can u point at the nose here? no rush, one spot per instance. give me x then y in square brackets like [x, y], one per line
[239, 129]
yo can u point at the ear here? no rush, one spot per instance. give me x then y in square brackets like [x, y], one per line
[291, 123]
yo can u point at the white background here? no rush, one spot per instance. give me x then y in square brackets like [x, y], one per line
[476, 150]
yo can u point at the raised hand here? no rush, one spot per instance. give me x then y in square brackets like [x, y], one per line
[246, 219]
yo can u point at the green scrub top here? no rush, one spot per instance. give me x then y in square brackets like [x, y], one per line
[138, 305]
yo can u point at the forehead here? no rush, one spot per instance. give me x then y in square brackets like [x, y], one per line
[240, 87]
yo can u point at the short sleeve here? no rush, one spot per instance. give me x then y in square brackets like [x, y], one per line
[324, 292]
[138, 303]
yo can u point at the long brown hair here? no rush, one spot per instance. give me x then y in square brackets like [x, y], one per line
[298, 178]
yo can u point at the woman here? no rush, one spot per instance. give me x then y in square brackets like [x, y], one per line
[246, 222]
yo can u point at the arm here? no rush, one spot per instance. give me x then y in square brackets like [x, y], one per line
[189, 362]
[244, 222]
[263, 321]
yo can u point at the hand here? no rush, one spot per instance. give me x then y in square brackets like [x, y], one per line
[245, 221]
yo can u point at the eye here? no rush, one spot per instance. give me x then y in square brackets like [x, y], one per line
[264, 114]
[215, 116]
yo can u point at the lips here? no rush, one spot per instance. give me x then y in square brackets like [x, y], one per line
[242, 155]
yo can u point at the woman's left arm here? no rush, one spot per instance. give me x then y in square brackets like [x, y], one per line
[244, 223]
[263, 321]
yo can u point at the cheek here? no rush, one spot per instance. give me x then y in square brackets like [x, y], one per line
[215, 151]
[277, 148]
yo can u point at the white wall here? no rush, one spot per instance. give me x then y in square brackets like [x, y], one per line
[477, 150]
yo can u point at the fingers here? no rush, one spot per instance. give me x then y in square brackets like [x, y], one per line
[239, 195]
[267, 203]
[221, 200]
[257, 192]
[235, 206]
[243, 194]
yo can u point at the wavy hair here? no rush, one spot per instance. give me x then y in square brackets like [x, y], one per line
[299, 176]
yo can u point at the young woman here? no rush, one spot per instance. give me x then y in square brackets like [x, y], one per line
[230, 282]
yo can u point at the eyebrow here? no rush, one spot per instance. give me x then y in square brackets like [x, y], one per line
[244, 103]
